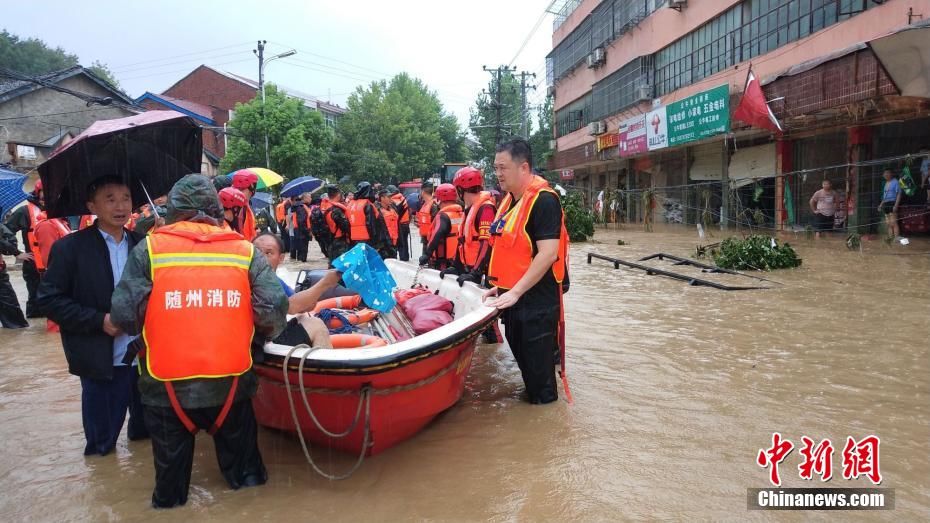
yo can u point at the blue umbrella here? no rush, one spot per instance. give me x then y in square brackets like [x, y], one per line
[301, 185]
[364, 272]
[261, 200]
[11, 190]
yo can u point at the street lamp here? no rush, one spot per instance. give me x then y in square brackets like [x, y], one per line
[261, 84]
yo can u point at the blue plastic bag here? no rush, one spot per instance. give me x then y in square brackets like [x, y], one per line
[364, 272]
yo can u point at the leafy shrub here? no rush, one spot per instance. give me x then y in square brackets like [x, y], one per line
[579, 221]
[755, 252]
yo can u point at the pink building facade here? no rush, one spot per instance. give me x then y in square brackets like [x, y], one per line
[645, 89]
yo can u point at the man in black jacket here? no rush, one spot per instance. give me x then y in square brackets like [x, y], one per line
[11, 316]
[83, 270]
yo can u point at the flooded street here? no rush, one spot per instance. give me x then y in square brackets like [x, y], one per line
[676, 389]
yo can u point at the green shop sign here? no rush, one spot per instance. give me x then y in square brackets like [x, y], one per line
[700, 116]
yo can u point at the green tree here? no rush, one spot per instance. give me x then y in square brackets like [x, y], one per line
[34, 57]
[539, 140]
[484, 115]
[299, 141]
[396, 129]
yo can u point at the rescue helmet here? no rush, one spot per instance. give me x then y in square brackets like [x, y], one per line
[232, 198]
[446, 193]
[244, 179]
[362, 190]
[392, 189]
[468, 178]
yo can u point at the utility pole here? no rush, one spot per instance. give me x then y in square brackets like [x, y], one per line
[260, 53]
[524, 124]
[498, 73]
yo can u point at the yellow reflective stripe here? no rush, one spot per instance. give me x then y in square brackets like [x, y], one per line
[190, 259]
[200, 255]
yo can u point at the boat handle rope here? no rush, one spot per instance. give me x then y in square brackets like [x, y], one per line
[364, 397]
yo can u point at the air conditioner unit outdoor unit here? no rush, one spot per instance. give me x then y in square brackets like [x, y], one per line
[643, 93]
[553, 144]
[599, 56]
[591, 62]
[551, 90]
[603, 127]
[677, 4]
[594, 128]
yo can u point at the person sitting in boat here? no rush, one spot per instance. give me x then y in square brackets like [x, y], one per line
[304, 328]
[233, 202]
[474, 249]
[443, 243]
[198, 293]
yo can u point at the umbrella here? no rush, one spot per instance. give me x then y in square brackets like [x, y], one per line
[11, 190]
[149, 151]
[298, 186]
[266, 177]
[261, 200]
[364, 272]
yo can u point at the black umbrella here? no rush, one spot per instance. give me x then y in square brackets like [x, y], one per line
[149, 151]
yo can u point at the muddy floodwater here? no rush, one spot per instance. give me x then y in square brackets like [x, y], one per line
[676, 389]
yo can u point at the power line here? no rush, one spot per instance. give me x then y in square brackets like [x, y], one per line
[535, 28]
[122, 66]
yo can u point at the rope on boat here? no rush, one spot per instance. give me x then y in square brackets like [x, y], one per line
[328, 314]
[364, 397]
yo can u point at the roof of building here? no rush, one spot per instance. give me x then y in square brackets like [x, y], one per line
[197, 111]
[10, 89]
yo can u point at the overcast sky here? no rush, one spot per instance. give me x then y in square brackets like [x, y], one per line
[340, 44]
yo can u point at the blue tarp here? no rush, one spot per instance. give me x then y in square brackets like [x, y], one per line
[11, 190]
[364, 272]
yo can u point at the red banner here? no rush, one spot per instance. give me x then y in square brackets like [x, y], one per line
[606, 141]
[567, 174]
[632, 137]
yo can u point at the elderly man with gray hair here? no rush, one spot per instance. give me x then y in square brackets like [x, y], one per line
[198, 294]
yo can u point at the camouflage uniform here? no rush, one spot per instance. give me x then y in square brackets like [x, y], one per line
[191, 201]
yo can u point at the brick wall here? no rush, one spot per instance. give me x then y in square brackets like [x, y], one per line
[208, 87]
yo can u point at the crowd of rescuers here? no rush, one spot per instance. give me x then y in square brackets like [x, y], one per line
[122, 288]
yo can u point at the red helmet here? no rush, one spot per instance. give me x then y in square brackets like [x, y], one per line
[446, 193]
[244, 179]
[468, 178]
[232, 198]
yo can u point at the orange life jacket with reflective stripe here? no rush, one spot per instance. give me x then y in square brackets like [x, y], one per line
[451, 243]
[425, 219]
[513, 249]
[247, 223]
[42, 252]
[358, 230]
[86, 221]
[468, 237]
[392, 223]
[402, 204]
[280, 213]
[198, 322]
[327, 207]
[35, 215]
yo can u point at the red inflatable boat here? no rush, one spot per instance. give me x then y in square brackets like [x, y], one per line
[366, 400]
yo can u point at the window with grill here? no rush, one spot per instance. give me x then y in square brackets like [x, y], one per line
[574, 116]
[623, 88]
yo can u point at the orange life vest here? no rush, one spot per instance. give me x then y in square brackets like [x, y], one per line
[86, 221]
[280, 213]
[425, 219]
[294, 223]
[468, 242]
[402, 204]
[451, 243]
[42, 252]
[327, 207]
[35, 215]
[358, 230]
[513, 250]
[247, 223]
[391, 221]
[198, 323]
